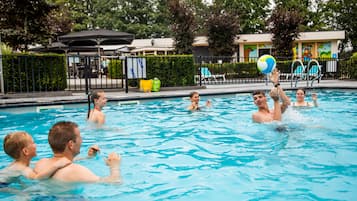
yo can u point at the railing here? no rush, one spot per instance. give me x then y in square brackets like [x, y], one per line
[28, 74]
[88, 70]
[246, 72]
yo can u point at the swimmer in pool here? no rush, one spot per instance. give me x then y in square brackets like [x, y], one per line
[96, 115]
[300, 99]
[264, 114]
[195, 99]
[21, 147]
[65, 141]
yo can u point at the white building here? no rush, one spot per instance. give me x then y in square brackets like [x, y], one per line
[321, 44]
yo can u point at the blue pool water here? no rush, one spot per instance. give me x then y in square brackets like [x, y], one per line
[169, 153]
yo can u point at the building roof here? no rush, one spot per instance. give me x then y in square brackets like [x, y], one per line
[153, 42]
[167, 44]
[304, 36]
[264, 38]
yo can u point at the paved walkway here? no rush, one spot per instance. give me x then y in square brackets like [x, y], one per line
[67, 97]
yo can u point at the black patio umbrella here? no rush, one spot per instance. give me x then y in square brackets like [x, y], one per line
[96, 37]
[58, 47]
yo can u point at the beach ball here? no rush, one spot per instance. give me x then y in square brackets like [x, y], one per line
[266, 63]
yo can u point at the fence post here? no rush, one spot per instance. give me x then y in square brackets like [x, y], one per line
[86, 73]
[199, 69]
[126, 74]
[2, 90]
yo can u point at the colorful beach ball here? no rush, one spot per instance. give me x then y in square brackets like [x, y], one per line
[266, 63]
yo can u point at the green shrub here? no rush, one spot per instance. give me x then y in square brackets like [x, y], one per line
[32, 73]
[115, 69]
[173, 70]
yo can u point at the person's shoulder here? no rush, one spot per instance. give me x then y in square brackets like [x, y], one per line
[75, 168]
[72, 169]
[256, 116]
[42, 163]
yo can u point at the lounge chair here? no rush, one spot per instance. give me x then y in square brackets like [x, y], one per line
[298, 73]
[207, 75]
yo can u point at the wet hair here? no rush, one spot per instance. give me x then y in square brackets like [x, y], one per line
[258, 92]
[15, 142]
[60, 134]
[95, 95]
[193, 93]
[301, 90]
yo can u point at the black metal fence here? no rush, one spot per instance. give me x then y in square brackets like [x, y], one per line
[232, 70]
[26, 74]
[90, 72]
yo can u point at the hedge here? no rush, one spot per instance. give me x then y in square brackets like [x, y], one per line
[34, 73]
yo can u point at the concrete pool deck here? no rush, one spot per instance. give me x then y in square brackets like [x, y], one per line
[54, 98]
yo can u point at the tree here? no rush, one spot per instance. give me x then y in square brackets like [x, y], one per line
[284, 26]
[81, 12]
[252, 14]
[342, 17]
[24, 22]
[311, 11]
[182, 26]
[201, 12]
[222, 28]
[60, 18]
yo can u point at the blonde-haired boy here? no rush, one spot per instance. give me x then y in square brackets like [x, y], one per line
[21, 147]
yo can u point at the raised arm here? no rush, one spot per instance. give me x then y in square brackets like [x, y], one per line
[92, 152]
[314, 99]
[193, 106]
[274, 77]
[113, 161]
[285, 99]
[274, 94]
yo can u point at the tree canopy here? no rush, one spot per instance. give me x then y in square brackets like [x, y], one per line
[284, 26]
[38, 21]
[183, 22]
[24, 22]
[222, 28]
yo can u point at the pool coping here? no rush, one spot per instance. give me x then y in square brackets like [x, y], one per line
[208, 90]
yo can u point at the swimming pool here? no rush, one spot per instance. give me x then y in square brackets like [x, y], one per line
[169, 153]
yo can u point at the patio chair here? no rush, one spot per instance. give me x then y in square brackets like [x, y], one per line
[299, 73]
[207, 75]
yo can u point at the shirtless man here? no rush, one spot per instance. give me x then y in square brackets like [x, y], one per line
[264, 114]
[65, 141]
[96, 115]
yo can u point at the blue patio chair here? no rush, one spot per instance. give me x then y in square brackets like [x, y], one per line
[207, 75]
[299, 72]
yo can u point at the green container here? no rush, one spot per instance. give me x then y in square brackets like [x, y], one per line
[156, 84]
